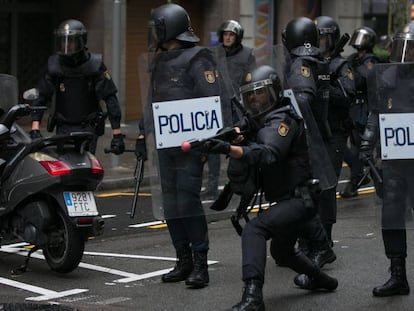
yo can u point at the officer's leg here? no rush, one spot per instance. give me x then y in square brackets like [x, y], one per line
[394, 233]
[311, 277]
[189, 179]
[179, 238]
[356, 167]
[254, 237]
[213, 162]
[314, 233]
[184, 264]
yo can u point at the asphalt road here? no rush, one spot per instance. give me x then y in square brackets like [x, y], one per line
[121, 269]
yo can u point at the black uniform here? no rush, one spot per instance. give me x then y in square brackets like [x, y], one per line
[341, 93]
[309, 77]
[239, 61]
[280, 150]
[358, 113]
[78, 88]
[183, 74]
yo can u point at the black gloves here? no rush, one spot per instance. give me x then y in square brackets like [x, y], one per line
[366, 153]
[117, 144]
[35, 134]
[141, 149]
[216, 146]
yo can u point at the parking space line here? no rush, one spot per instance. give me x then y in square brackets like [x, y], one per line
[45, 294]
[128, 277]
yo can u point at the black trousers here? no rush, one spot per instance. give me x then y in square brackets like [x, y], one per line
[336, 149]
[282, 223]
[181, 178]
[397, 207]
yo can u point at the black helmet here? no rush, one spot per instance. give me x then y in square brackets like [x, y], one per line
[233, 26]
[70, 37]
[363, 38]
[301, 36]
[329, 31]
[403, 45]
[261, 91]
[167, 22]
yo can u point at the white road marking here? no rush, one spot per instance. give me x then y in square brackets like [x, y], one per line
[45, 294]
[147, 224]
[128, 277]
[108, 216]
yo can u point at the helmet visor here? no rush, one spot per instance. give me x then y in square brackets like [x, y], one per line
[257, 97]
[69, 42]
[360, 40]
[326, 43]
[156, 34]
[402, 51]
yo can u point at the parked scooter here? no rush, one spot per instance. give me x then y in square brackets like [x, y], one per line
[47, 189]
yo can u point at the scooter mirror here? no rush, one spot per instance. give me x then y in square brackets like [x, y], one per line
[31, 94]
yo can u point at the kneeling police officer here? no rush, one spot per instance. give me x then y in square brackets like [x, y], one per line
[279, 152]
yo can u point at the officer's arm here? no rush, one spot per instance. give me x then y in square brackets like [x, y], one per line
[114, 113]
[46, 89]
[275, 142]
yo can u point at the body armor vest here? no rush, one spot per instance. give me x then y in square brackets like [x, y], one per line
[320, 71]
[75, 89]
[170, 80]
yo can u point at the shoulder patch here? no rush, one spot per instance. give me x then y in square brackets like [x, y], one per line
[305, 71]
[210, 77]
[283, 129]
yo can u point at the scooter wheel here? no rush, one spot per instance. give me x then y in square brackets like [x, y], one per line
[65, 249]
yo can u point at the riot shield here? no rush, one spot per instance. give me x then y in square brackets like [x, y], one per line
[172, 115]
[322, 168]
[8, 91]
[391, 98]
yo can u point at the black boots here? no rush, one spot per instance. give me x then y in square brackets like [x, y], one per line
[351, 188]
[321, 281]
[194, 273]
[182, 268]
[252, 299]
[322, 256]
[199, 276]
[397, 284]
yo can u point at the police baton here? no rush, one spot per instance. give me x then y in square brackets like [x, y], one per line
[374, 171]
[138, 177]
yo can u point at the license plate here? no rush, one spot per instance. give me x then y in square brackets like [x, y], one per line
[80, 203]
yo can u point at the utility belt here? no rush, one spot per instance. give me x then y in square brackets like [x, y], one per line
[95, 120]
[309, 192]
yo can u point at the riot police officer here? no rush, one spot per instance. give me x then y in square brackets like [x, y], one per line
[239, 60]
[307, 74]
[180, 70]
[393, 93]
[341, 94]
[362, 63]
[280, 149]
[79, 80]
